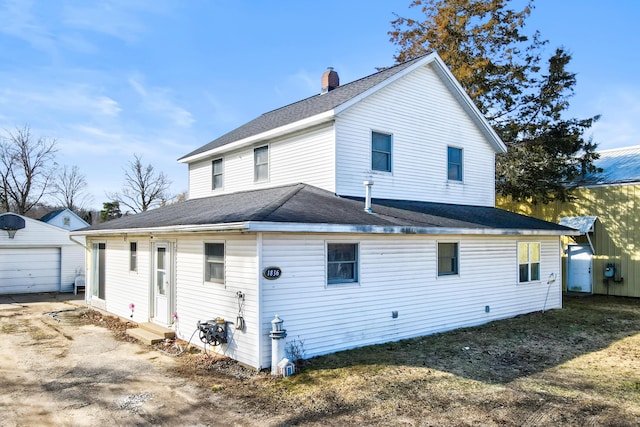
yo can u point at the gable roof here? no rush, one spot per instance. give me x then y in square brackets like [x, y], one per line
[323, 107]
[48, 217]
[619, 166]
[304, 208]
[53, 214]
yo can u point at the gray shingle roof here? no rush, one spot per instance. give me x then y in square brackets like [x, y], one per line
[303, 109]
[302, 203]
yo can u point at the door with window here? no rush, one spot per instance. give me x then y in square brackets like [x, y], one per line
[163, 289]
[579, 267]
[98, 258]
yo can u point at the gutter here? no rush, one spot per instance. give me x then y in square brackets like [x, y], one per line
[289, 227]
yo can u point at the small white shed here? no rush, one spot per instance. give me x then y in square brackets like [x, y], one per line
[37, 257]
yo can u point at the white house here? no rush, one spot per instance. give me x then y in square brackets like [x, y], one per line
[360, 215]
[37, 257]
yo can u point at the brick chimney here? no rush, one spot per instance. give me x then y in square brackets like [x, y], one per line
[330, 80]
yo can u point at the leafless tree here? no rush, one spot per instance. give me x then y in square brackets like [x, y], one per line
[143, 188]
[26, 169]
[69, 188]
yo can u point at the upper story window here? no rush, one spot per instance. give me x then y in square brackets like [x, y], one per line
[133, 256]
[66, 221]
[454, 164]
[447, 259]
[216, 174]
[342, 263]
[528, 262]
[214, 262]
[261, 164]
[380, 152]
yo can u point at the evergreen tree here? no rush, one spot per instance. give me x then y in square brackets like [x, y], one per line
[501, 67]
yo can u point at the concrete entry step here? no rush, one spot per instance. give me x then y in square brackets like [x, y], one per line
[157, 329]
[150, 333]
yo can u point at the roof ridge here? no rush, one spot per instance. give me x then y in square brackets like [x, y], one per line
[267, 210]
[346, 85]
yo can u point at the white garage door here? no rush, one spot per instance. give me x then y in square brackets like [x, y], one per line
[29, 270]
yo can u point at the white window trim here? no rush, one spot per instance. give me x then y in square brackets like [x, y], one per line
[213, 188]
[356, 283]
[446, 276]
[461, 180]
[539, 280]
[268, 147]
[375, 171]
[224, 262]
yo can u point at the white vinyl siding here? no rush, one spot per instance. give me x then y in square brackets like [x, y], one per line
[424, 118]
[122, 286]
[396, 274]
[308, 158]
[198, 300]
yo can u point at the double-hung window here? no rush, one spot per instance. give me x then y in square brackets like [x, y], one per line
[133, 256]
[342, 263]
[216, 174]
[454, 164]
[528, 262]
[214, 262]
[261, 164]
[447, 259]
[380, 152]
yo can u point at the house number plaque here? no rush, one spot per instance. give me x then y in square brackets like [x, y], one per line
[272, 273]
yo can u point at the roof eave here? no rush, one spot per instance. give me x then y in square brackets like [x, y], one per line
[383, 229]
[315, 120]
[292, 227]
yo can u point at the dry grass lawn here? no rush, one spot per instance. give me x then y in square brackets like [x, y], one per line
[576, 366]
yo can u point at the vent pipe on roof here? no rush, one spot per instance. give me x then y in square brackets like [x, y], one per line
[330, 80]
[367, 196]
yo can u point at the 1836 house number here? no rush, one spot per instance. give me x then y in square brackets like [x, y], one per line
[272, 273]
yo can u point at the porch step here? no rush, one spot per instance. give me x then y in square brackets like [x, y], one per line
[150, 333]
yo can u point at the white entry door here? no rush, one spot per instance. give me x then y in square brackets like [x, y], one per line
[579, 267]
[162, 283]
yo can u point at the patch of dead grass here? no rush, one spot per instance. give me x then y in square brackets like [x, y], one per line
[575, 366]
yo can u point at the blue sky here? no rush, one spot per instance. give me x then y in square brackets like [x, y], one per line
[159, 78]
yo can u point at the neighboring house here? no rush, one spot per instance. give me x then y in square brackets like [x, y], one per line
[65, 218]
[280, 221]
[37, 257]
[605, 259]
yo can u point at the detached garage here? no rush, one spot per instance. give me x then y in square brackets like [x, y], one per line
[37, 257]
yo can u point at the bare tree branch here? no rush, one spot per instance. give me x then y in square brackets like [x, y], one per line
[143, 188]
[69, 188]
[26, 168]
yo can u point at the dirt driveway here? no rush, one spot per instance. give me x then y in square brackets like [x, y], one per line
[58, 370]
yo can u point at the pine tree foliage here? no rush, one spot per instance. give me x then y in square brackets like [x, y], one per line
[523, 95]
